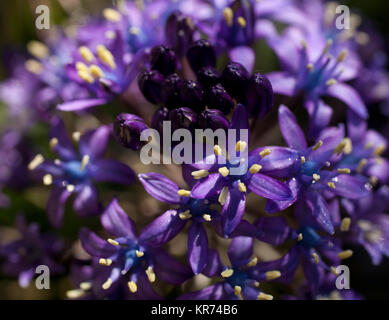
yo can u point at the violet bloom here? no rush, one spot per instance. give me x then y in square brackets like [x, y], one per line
[368, 225]
[311, 178]
[31, 249]
[139, 260]
[215, 178]
[241, 280]
[75, 172]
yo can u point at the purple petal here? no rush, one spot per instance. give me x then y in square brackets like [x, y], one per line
[197, 247]
[160, 187]
[56, 205]
[356, 126]
[291, 131]
[82, 104]
[269, 188]
[162, 229]
[243, 55]
[86, 202]
[214, 266]
[25, 277]
[214, 292]
[116, 221]
[274, 206]
[273, 230]
[109, 170]
[282, 83]
[240, 251]
[64, 148]
[208, 186]
[350, 187]
[94, 142]
[233, 210]
[239, 119]
[320, 116]
[96, 246]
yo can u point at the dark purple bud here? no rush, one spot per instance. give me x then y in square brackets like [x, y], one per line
[218, 98]
[151, 85]
[234, 79]
[172, 89]
[192, 95]
[179, 30]
[163, 59]
[213, 119]
[201, 54]
[127, 129]
[159, 117]
[183, 118]
[259, 95]
[208, 77]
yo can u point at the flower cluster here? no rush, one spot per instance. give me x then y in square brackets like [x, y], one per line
[301, 184]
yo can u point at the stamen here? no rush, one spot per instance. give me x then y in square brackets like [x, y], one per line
[217, 150]
[113, 242]
[183, 193]
[106, 56]
[86, 76]
[228, 15]
[345, 254]
[256, 284]
[53, 142]
[265, 153]
[86, 54]
[240, 146]
[139, 254]
[227, 273]
[47, 179]
[134, 31]
[224, 171]
[361, 165]
[105, 262]
[199, 174]
[242, 187]
[36, 162]
[344, 170]
[96, 71]
[379, 150]
[300, 237]
[85, 286]
[255, 168]
[271, 275]
[132, 286]
[237, 290]
[38, 49]
[345, 224]
[253, 262]
[150, 274]
[74, 294]
[316, 177]
[331, 185]
[315, 257]
[242, 22]
[57, 162]
[107, 284]
[327, 47]
[223, 195]
[33, 66]
[317, 145]
[373, 180]
[76, 136]
[368, 145]
[111, 15]
[304, 44]
[70, 188]
[185, 215]
[207, 217]
[331, 82]
[84, 162]
[302, 159]
[333, 269]
[264, 296]
[110, 34]
[310, 66]
[342, 55]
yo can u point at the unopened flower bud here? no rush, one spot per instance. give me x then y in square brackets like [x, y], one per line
[163, 59]
[259, 95]
[192, 95]
[218, 98]
[179, 30]
[172, 89]
[234, 79]
[127, 129]
[151, 85]
[182, 118]
[208, 77]
[201, 54]
[159, 117]
[213, 119]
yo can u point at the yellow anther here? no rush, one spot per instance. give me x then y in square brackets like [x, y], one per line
[224, 171]
[242, 22]
[237, 290]
[38, 49]
[217, 150]
[333, 269]
[81, 66]
[185, 215]
[265, 153]
[36, 162]
[331, 185]
[132, 286]
[76, 136]
[255, 168]
[84, 162]
[362, 38]
[105, 262]
[373, 180]
[331, 82]
[328, 45]
[302, 159]
[110, 34]
[345, 254]
[112, 15]
[86, 54]
[53, 142]
[223, 195]
[264, 296]
[183, 193]
[199, 174]
[316, 177]
[106, 56]
[253, 262]
[96, 71]
[207, 217]
[304, 44]
[139, 254]
[345, 224]
[70, 188]
[242, 187]
[107, 284]
[134, 31]
[379, 150]
[47, 179]
[361, 165]
[33, 66]
[349, 146]
[368, 145]
[86, 76]
[300, 237]
[256, 284]
[344, 170]
[85, 286]
[227, 273]
[342, 55]
[315, 257]
[317, 145]
[241, 146]
[228, 16]
[271, 275]
[310, 66]
[113, 242]
[75, 293]
[150, 274]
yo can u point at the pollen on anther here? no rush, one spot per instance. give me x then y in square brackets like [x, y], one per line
[227, 273]
[36, 162]
[224, 171]
[265, 153]
[183, 193]
[199, 174]
[317, 145]
[345, 254]
[345, 224]
[255, 168]
[132, 286]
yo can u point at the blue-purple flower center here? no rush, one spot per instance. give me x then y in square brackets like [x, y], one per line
[310, 237]
[198, 207]
[238, 278]
[74, 171]
[308, 168]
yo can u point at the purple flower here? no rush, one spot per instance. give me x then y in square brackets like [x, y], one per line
[75, 173]
[30, 250]
[139, 260]
[128, 128]
[215, 178]
[241, 280]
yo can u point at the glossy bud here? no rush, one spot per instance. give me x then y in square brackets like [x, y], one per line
[151, 85]
[218, 98]
[208, 76]
[127, 130]
[163, 59]
[159, 117]
[192, 95]
[213, 119]
[235, 79]
[179, 30]
[172, 89]
[183, 118]
[259, 95]
[201, 54]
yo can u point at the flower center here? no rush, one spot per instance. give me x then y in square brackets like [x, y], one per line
[238, 278]
[310, 237]
[75, 171]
